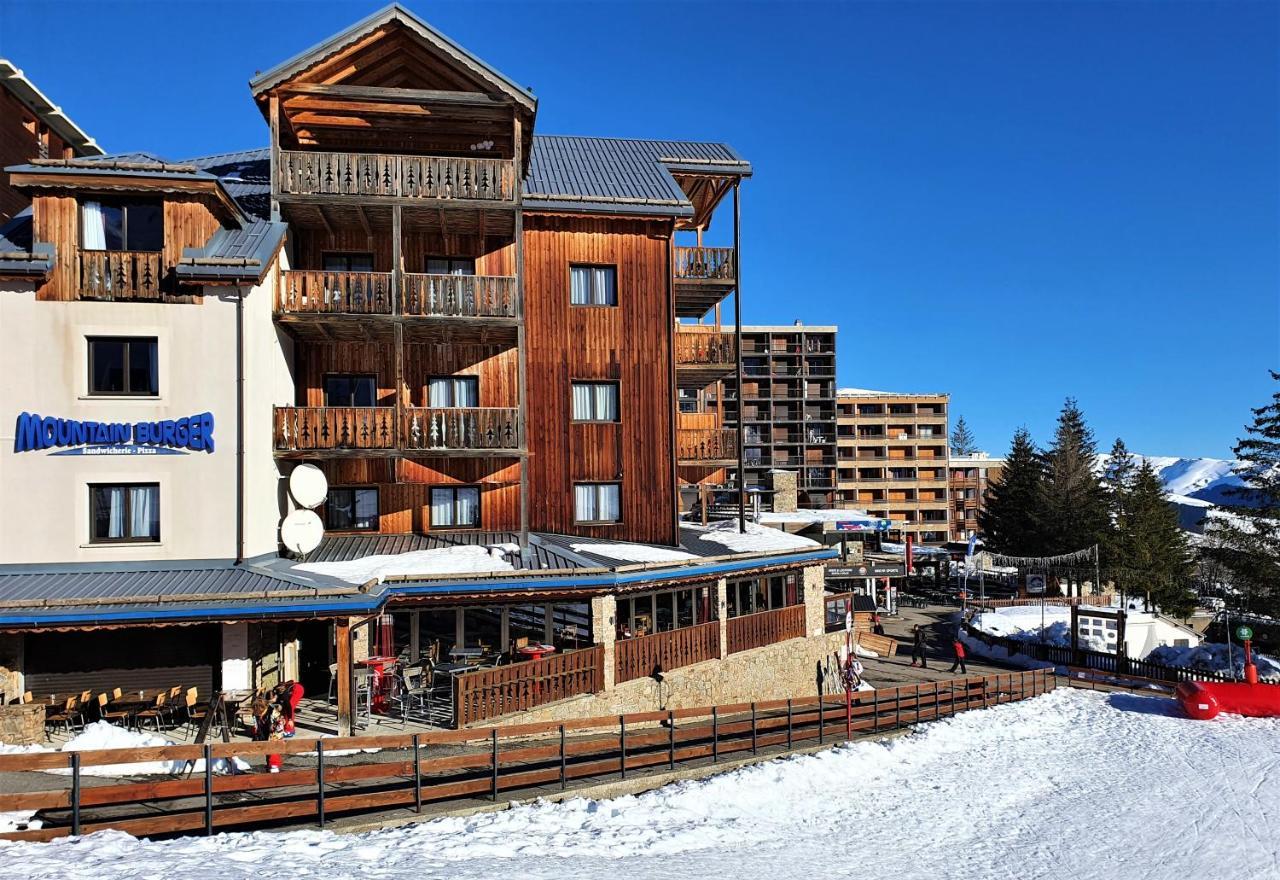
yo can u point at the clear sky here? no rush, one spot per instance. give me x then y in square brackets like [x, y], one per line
[1013, 202]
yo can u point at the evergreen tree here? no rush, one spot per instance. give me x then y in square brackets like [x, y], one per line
[1009, 519]
[1153, 558]
[1246, 540]
[1117, 481]
[1075, 514]
[962, 441]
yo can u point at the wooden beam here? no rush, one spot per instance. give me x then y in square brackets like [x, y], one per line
[378, 93]
[273, 115]
[324, 218]
[345, 673]
[364, 221]
[309, 102]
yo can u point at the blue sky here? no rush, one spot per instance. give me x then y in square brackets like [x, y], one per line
[1013, 202]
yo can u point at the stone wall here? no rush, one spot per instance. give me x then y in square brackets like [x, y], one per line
[22, 725]
[786, 670]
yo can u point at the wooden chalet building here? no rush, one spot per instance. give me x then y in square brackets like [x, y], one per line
[480, 335]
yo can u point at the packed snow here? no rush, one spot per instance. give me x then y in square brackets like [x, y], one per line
[635, 552]
[756, 539]
[1022, 622]
[1073, 784]
[470, 559]
[1212, 657]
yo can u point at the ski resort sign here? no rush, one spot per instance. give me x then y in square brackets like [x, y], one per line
[73, 437]
[1036, 583]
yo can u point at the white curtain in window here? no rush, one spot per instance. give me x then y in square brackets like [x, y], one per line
[439, 393]
[606, 402]
[602, 284]
[584, 502]
[466, 392]
[468, 507]
[579, 285]
[610, 504]
[115, 520]
[442, 507]
[366, 508]
[94, 225]
[143, 512]
[582, 401]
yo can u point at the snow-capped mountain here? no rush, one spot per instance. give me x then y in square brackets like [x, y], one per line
[1194, 484]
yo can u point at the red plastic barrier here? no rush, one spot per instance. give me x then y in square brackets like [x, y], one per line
[1203, 700]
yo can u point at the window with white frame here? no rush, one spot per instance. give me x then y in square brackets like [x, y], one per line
[593, 285]
[597, 502]
[450, 391]
[455, 507]
[595, 401]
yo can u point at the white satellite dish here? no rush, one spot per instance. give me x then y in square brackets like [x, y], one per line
[301, 532]
[308, 486]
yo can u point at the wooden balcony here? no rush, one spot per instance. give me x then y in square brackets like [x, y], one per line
[387, 176]
[765, 628]
[706, 447]
[703, 276]
[320, 292]
[638, 657]
[120, 275]
[461, 431]
[704, 356]
[341, 430]
[459, 296]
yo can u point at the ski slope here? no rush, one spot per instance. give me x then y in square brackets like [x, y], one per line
[1074, 785]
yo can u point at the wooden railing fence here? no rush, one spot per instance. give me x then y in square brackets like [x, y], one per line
[491, 693]
[315, 291]
[379, 174]
[706, 444]
[704, 349]
[301, 428]
[463, 296]
[704, 263]
[765, 628]
[461, 428]
[317, 783]
[638, 657]
[120, 275]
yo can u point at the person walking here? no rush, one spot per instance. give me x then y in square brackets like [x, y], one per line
[917, 647]
[289, 695]
[958, 647]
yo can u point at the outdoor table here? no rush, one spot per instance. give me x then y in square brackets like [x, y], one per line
[535, 652]
[466, 653]
[380, 684]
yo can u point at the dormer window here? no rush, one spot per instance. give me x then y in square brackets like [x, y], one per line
[117, 225]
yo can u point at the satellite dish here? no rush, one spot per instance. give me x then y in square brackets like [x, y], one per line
[301, 532]
[308, 486]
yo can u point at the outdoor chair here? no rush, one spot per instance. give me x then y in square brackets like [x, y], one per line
[410, 700]
[158, 713]
[333, 683]
[66, 716]
[193, 711]
[109, 715]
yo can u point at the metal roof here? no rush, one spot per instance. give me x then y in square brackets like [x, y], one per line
[545, 554]
[19, 255]
[234, 255]
[245, 174]
[25, 91]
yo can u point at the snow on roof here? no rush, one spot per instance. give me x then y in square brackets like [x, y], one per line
[634, 552]
[817, 515]
[470, 559]
[755, 539]
[868, 392]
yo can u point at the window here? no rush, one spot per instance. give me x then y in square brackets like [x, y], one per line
[595, 401]
[597, 502]
[342, 389]
[755, 595]
[447, 391]
[124, 366]
[455, 507]
[348, 262]
[352, 509]
[124, 514]
[451, 266]
[593, 285]
[688, 400]
[121, 226]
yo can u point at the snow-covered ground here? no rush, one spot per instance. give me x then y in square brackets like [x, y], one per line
[1022, 622]
[1073, 785]
[1215, 657]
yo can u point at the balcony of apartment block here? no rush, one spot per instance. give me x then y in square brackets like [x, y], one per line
[341, 176]
[702, 277]
[705, 355]
[373, 431]
[706, 447]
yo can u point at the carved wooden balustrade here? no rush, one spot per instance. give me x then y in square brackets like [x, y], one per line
[317, 291]
[704, 263]
[706, 444]
[129, 275]
[460, 428]
[696, 349]
[318, 428]
[378, 174]
[466, 296]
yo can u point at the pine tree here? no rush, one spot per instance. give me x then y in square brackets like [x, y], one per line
[1245, 537]
[1075, 514]
[1009, 519]
[1153, 558]
[962, 440]
[1117, 481]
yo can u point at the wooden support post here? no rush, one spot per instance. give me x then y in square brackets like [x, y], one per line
[320, 781]
[493, 739]
[517, 135]
[737, 339]
[346, 671]
[273, 116]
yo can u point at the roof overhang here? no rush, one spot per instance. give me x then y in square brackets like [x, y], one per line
[51, 114]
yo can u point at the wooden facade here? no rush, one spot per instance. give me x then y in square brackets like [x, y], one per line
[26, 134]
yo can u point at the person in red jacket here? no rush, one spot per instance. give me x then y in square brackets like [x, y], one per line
[958, 647]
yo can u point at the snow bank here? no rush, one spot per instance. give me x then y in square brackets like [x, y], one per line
[101, 735]
[756, 539]
[1022, 622]
[635, 552]
[1212, 657]
[471, 559]
[1014, 791]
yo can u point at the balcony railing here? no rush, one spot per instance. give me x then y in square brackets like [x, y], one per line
[460, 428]
[704, 264]
[706, 444]
[698, 349]
[129, 275]
[765, 628]
[305, 428]
[316, 291]
[379, 174]
[461, 296]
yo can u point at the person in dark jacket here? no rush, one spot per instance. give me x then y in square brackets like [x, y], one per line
[958, 647]
[917, 647]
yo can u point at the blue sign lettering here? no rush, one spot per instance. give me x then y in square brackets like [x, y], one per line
[168, 437]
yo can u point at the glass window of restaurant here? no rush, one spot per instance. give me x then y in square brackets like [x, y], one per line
[648, 613]
[755, 595]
